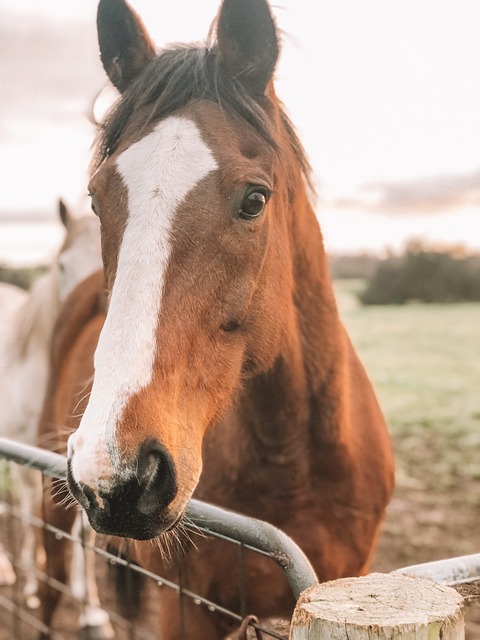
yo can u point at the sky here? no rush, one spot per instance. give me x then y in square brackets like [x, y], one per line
[384, 93]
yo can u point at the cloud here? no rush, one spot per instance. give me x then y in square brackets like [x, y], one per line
[434, 194]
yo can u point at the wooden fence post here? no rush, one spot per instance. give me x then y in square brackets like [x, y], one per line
[378, 607]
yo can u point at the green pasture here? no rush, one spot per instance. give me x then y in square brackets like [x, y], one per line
[424, 361]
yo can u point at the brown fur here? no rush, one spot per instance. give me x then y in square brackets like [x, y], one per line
[255, 379]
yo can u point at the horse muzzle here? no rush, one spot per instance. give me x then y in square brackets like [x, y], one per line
[137, 500]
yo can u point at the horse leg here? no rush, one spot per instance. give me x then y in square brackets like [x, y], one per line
[24, 481]
[7, 574]
[55, 555]
[94, 623]
[30, 496]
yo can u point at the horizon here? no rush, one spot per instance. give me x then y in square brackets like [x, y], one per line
[20, 250]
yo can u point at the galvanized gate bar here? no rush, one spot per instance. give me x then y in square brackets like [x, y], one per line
[49, 463]
[258, 535]
[250, 532]
[450, 571]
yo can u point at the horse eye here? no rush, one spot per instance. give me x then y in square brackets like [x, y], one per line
[253, 205]
[94, 204]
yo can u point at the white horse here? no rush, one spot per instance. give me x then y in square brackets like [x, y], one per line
[26, 324]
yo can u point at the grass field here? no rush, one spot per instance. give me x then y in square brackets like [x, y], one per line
[424, 361]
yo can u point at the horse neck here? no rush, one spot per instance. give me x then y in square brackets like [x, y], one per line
[289, 413]
[37, 317]
[318, 323]
[315, 333]
[315, 347]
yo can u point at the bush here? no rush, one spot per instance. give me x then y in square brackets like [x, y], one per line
[426, 276]
[352, 266]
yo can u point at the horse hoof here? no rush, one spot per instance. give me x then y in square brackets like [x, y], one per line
[7, 574]
[103, 632]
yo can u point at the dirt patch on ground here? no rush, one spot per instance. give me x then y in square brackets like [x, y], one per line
[424, 523]
[418, 529]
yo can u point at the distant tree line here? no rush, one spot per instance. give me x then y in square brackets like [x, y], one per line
[424, 275]
[358, 265]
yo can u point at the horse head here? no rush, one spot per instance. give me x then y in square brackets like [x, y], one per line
[79, 255]
[197, 172]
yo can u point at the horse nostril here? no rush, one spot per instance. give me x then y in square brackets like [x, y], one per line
[147, 474]
[156, 475]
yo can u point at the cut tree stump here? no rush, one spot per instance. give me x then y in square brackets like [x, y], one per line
[379, 607]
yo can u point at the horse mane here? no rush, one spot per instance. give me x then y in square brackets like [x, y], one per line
[183, 74]
[37, 316]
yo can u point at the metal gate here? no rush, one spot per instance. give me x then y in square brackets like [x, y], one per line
[246, 534]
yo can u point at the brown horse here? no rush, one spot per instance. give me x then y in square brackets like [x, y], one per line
[222, 369]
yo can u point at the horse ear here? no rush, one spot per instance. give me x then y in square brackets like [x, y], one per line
[63, 213]
[125, 47]
[248, 42]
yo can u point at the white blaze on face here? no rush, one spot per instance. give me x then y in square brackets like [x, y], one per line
[158, 172]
